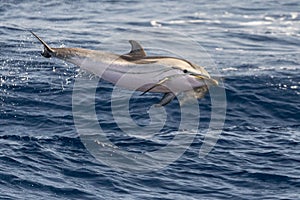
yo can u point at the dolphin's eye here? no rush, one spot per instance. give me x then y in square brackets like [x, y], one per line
[185, 71]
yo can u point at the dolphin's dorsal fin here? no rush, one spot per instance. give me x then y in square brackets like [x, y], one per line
[136, 49]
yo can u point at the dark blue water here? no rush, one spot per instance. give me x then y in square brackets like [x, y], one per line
[254, 44]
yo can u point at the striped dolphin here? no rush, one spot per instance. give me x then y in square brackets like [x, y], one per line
[162, 74]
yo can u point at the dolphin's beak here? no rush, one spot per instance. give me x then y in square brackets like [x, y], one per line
[208, 79]
[214, 82]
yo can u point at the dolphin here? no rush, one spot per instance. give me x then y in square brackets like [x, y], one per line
[161, 74]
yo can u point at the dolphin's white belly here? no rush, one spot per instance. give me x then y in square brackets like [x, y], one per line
[137, 76]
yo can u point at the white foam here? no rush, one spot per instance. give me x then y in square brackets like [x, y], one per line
[255, 23]
[193, 21]
[294, 15]
[230, 69]
[155, 23]
[294, 87]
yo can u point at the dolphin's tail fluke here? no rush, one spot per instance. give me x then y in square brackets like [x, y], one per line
[47, 49]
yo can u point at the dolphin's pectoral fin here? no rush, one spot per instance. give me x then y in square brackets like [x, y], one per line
[47, 49]
[167, 98]
[155, 85]
[136, 49]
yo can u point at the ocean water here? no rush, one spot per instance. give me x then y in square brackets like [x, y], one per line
[254, 46]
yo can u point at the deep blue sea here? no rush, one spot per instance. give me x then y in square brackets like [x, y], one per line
[255, 47]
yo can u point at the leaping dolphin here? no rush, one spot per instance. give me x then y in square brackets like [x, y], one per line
[162, 74]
